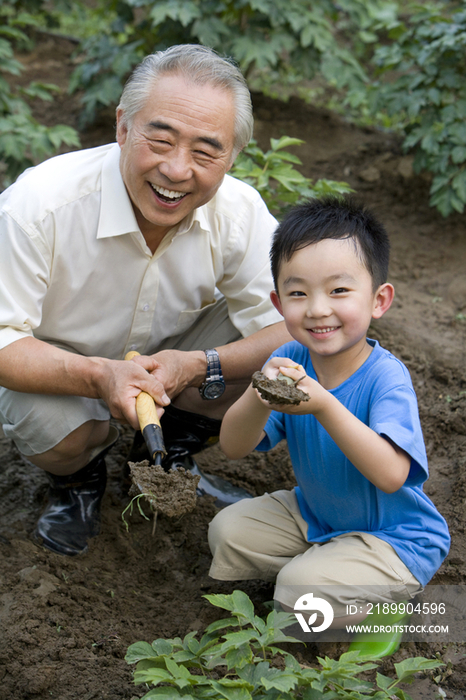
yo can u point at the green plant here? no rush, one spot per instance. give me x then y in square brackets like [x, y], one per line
[237, 659]
[275, 42]
[419, 84]
[150, 497]
[23, 140]
[274, 176]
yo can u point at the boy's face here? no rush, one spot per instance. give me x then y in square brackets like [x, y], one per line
[326, 297]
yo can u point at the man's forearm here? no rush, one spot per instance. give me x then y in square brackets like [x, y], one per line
[242, 358]
[33, 366]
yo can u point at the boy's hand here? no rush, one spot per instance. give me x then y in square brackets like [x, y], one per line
[273, 368]
[283, 365]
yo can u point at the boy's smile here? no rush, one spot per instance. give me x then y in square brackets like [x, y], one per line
[326, 296]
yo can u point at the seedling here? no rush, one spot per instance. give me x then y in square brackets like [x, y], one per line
[150, 497]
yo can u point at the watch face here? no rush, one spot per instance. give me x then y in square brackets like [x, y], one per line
[213, 390]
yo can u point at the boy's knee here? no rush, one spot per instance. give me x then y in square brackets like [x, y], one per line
[222, 529]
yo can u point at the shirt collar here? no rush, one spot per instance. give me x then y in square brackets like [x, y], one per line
[198, 218]
[116, 211]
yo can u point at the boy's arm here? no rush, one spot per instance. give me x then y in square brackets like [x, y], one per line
[381, 461]
[243, 425]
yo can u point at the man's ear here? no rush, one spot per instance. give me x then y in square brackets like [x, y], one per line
[122, 128]
[275, 299]
[383, 299]
[233, 158]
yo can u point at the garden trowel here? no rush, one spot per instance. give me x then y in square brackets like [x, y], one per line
[149, 422]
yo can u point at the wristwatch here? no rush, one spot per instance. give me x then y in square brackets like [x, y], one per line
[214, 385]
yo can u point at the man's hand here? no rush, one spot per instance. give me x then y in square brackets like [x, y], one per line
[120, 382]
[163, 375]
[176, 370]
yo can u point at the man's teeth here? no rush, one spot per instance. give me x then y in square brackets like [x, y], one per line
[324, 330]
[169, 194]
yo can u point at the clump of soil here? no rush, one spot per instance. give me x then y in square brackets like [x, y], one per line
[278, 391]
[172, 493]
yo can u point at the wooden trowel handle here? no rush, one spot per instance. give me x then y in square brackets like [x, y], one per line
[148, 419]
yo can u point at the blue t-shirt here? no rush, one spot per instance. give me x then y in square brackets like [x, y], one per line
[333, 496]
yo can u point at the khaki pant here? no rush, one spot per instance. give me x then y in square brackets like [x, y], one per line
[265, 538]
[36, 422]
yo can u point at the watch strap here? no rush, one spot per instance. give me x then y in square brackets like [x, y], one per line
[213, 385]
[214, 369]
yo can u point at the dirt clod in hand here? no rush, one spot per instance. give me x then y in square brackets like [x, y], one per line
[278, 392]
[174, 492]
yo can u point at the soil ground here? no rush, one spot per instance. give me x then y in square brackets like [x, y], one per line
[65, 623]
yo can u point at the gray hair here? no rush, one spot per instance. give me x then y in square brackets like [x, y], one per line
[200, 65]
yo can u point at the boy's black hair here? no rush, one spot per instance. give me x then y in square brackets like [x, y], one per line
[337, 218]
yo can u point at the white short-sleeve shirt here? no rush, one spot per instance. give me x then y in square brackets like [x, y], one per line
[75, 269]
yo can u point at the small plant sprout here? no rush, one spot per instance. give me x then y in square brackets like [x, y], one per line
[137, 499]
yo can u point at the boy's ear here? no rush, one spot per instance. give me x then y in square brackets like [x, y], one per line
[275, 299]
[383, 299]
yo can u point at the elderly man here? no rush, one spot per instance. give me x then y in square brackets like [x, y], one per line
[145, 244]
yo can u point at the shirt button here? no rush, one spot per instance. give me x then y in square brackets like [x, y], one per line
[132, 347]
[146, 307]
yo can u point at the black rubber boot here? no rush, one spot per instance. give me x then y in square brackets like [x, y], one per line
[72, 514]
[186, 433]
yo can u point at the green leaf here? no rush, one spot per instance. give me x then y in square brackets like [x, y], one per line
[253, 673]
[176, 670]
[233, 690]
[383, 682]
[406, 669]
[280, 680]
[180, 10]
[221, 624]
[152, 675]
[237, 639]
[238, 603]
[285, 142]
[398, 693]
[441, 200]
[138, 651]
[459, 185]
[314, 694]
[170, 693]
[239, 656]
[458, 154]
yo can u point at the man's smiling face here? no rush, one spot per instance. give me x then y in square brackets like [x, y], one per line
[176, 151]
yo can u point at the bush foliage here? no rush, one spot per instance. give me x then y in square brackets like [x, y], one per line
[398, 64]
[23, 140]
[427, 54]
[272, 40]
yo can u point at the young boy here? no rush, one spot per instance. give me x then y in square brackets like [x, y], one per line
[358, 528]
